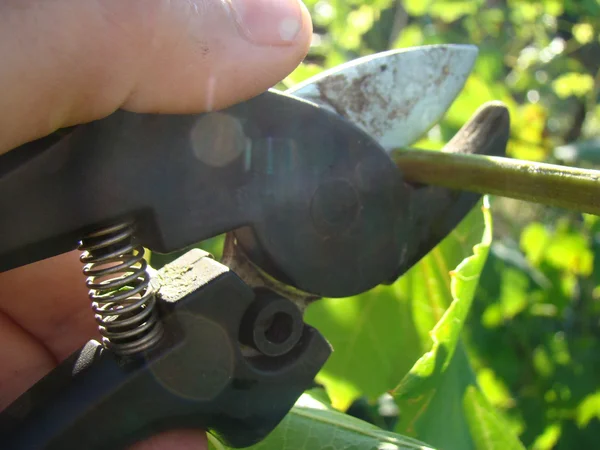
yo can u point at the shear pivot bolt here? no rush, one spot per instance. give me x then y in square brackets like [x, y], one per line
[272, 325]
[334, 207]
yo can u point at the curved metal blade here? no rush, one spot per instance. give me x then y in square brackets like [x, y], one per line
[395, 96]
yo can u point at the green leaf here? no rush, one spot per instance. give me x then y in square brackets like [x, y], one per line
[553, 7]
[367, 333]
[459, 289]
[303, 72]
[583, 32]
[534, 240]
[513, 292]
[312, 424]
[416, 7]
[430, 396]
[494, 389]
[489, 431]
[588, 409]
[549, 438]
[573, 84]
[410, 36]
[361, 20]
[436, 397]
[563, 249]
[379, 335]
[449, 11]
[569, 251]
[542, 362]
[475, 93]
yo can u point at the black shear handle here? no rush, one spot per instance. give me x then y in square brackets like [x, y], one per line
[200, 377]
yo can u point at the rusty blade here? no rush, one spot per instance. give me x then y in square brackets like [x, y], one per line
[395, 96]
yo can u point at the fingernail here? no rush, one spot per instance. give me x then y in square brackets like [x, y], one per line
[268, 22]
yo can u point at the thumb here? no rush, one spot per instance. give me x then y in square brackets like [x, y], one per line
[66, 62]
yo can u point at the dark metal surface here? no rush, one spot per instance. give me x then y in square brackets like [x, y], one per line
[200, 377]
[426, 214]
[313, 200]
[435, 211]
[320, 197]
[272, 325]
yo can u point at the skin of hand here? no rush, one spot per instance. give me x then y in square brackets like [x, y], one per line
[66, 62]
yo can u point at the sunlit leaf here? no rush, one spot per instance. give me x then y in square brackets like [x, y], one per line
[416, 7]
[542, 362]
[548, 439]
[488, 429]
[494, 388]
[410, 36]
[449, 11]
[570, 252]
[534, 240]
[312, 424]
[525, 11]
[389, 327]
[583, 32]
[367, 332]
[493, 316]
[513, 292]
[588, 409]
[553, 7]
[301, 73]
[528, 133]
[475, 93]
[564, 249]
[573, 84]
[361, 19]
[438, 380]
[489, 65]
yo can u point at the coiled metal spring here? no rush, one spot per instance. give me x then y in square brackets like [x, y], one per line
[122, 298]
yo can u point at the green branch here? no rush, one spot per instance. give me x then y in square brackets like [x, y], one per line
[552, 185]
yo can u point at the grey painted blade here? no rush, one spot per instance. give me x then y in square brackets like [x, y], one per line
[395, 96]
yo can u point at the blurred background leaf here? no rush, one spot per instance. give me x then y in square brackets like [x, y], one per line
[532, 336]
[517, 354]
[405, 339]
[313, 424]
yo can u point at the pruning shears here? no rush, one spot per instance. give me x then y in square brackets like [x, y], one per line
[313, 206]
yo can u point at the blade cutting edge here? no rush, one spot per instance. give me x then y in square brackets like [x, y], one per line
[395, 96]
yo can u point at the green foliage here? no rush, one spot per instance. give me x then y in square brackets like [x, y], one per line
[545, 353]
[480, 345]
[313, 424]
[390, 327]
[573, 84]
[433, 394]
[488, 429]
[588, 409]
[530, 341]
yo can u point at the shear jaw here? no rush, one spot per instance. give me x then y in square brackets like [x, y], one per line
[433, 212]
[423, 81]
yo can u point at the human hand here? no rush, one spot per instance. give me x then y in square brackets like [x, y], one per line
[66, 62]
